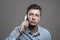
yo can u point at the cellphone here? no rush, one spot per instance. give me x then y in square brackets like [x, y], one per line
[25, 17]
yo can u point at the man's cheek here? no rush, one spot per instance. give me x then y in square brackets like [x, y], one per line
[37, 20]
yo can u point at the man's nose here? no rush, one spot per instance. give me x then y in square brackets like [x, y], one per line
[33, 18]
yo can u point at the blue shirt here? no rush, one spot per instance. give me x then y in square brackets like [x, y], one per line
[42, 34]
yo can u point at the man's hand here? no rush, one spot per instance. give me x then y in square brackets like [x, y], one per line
[23, 25]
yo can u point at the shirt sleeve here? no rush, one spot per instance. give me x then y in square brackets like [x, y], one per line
[14, 34]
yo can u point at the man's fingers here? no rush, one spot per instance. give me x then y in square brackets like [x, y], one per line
[24, 25]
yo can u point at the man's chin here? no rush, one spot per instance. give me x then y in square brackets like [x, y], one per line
[33, 24]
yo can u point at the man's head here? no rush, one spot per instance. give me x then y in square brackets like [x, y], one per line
[34, 14]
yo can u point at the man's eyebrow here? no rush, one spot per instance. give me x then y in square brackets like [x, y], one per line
[30, 13]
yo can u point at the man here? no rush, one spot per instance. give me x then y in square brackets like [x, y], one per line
[29, 28]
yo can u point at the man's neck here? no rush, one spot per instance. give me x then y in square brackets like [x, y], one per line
[33, 29]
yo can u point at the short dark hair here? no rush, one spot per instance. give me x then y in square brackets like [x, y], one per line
[34, 6]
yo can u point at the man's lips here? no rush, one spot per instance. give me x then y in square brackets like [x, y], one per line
[33, 22]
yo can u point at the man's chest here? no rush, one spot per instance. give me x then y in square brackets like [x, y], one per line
[30, 37]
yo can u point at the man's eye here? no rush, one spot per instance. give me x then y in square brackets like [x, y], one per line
[30, 14]
[37, 15]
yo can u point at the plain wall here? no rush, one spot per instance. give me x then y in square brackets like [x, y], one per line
[13, 12]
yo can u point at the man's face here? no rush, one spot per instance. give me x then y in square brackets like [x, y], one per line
[34, 16]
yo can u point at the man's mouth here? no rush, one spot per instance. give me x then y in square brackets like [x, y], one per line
[33, 22]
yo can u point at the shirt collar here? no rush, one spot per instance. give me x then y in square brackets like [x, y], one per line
[28, 31]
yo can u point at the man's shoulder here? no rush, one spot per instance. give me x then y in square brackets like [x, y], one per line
[16, 27]
[46, 33]
[44, 30]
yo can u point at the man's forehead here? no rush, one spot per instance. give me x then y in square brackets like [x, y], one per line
[35, 11]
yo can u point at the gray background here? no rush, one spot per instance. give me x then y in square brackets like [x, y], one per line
[12, 13]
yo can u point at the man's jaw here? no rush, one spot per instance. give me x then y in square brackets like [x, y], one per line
[32, 25]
